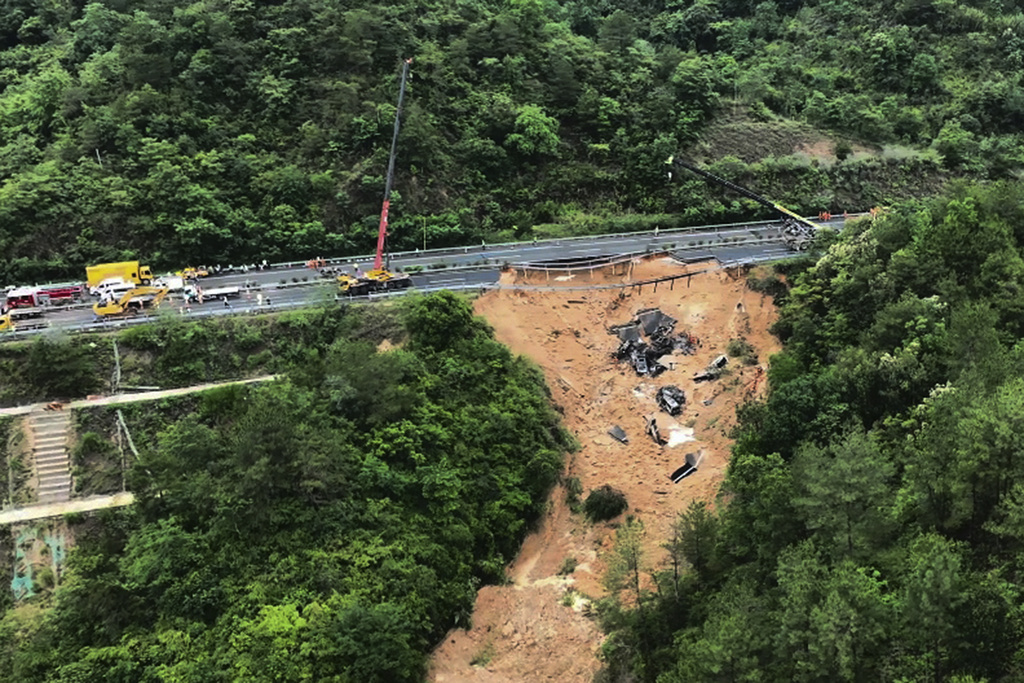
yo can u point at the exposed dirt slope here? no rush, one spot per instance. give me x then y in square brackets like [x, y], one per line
[523, 631]
[752, 141]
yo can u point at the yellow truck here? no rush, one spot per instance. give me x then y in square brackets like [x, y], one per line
[22, 319]
[126, 270]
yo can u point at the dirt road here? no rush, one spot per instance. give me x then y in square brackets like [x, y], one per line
[30, 512]
[141, 396]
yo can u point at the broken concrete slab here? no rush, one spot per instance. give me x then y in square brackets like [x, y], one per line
[652, 319]
[652, 430]
[619, 434]
[627, 332]
[689, 466]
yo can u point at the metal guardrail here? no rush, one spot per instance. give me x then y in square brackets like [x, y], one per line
[604, 261]
[717, 227]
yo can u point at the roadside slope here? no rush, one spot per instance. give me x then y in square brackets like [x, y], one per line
[524, 631]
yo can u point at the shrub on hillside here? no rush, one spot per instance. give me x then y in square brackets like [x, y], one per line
[58, 368]
[604, 503]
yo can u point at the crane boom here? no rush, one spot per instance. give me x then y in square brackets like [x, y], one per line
[382, 232]
[797, 230]
[749, 194]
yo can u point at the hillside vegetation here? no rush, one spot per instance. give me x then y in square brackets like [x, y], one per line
[870, 525]
[224, 131]
[173, 352]
[331, 526]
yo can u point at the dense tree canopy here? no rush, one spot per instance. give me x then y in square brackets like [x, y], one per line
[228, 131]
[331, 526]
[869, 526]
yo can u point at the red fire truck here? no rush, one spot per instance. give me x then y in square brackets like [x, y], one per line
[23, 297]
[61, 294]
[33, 297]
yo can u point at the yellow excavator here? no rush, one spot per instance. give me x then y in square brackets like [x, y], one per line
[131, 302]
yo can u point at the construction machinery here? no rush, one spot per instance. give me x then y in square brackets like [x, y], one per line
[380, 278]
[131, 302]
[798, 233]
[191, 273]
[127, 270]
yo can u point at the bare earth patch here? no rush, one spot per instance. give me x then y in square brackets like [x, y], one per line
[530, 630]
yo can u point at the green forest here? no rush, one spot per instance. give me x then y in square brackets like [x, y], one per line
[232, 131]
[871, 524]
[330, 526]
[334, 524]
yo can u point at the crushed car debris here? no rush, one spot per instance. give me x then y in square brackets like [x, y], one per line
[661, 340]
[671, 399]
[713, 370]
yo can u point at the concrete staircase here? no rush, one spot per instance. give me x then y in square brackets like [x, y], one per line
[50, 432]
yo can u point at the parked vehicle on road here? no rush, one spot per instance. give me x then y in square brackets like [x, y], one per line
[127, 270]
[199, 295]
[23, 297]
[22, 319]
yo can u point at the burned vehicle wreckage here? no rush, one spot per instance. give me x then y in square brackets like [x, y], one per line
[647, 338]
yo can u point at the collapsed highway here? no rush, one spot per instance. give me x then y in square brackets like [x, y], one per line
[293, 285]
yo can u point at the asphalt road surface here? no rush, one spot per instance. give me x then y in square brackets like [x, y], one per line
[294, 285]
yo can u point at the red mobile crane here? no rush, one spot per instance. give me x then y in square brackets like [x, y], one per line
[381, 278]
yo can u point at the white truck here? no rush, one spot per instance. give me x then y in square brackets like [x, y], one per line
[172, 283]
[197, 294]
